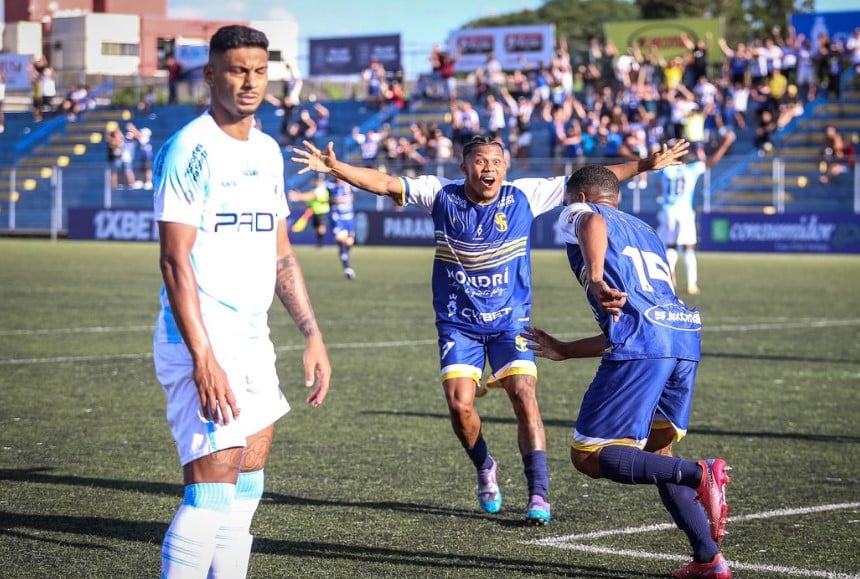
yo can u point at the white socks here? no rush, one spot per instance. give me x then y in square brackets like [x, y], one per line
[233, 540]
[189, 543]
[691, 265]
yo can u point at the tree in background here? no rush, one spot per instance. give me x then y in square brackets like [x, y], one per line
[578, 20]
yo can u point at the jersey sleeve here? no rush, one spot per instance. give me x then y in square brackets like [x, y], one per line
[568, 219]
[421, 191]
[282, 208]
[543, 194]
[181, 172]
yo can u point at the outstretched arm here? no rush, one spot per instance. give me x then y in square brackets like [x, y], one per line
[365, 178]
[664, 157]
[550, 347]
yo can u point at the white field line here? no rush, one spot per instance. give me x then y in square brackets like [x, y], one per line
[776, 325]
[570, 542]
[93, 330]
[144, 355]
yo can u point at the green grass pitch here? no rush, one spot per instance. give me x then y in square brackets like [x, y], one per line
[373, 483]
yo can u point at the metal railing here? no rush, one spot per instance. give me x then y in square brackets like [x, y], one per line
[739, 183]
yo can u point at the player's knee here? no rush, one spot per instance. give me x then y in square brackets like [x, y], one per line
[660, 441]
[460, 403]
[586, 462]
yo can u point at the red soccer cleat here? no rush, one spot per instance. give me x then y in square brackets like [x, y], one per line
[716, 569]
[712, 494]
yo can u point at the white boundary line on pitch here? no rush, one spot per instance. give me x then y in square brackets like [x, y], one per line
[774, 323]
[145, 355]
[570, 542]
[808, 323]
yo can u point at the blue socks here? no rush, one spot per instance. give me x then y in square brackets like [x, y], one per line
[537, 473]
[480, 454]
[629, 465]
[681, 503]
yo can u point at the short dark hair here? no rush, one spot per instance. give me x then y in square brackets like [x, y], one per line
[591, 179]
[237, 36]
[480, 141]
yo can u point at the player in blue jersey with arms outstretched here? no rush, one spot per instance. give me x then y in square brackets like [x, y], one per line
[676, 220]
[639, 401]
[482, 290]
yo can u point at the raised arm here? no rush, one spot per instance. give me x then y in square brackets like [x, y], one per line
[364, 178]
[664, 157]
[715, 157]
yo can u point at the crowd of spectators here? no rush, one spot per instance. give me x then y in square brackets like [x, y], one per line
[613, 103]
[129, 155]
[46, 100]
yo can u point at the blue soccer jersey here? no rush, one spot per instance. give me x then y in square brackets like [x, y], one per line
[482, 266]
[342, 213]
[654, 322]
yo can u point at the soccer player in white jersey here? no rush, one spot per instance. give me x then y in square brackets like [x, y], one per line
[650, 343]
[221, 211]
[482, 290]
[676, 220]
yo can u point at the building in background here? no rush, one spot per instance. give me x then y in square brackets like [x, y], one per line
[85, 38]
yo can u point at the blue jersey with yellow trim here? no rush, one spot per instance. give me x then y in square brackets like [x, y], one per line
[654, 323]
[482, 267]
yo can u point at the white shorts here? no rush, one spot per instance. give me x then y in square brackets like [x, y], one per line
[250, 369]
[677, 226]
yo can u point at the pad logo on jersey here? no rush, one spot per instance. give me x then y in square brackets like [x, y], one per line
[245, 221]
[675, 317]
[501, 222]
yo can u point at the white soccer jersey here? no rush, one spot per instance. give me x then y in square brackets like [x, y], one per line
[232, 191]
[679, 184]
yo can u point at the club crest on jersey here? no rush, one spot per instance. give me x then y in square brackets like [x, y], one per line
[521, 343]
[501, 222]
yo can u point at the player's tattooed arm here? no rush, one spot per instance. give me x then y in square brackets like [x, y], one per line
[291, 290]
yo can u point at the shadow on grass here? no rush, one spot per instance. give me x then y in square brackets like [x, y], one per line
[11, 525]
[44, 476]
[774, 358]
[448, 563]
[829, 438]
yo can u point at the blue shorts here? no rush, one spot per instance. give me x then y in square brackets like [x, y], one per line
[464, 354]
[629, 397]
[342, 228]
